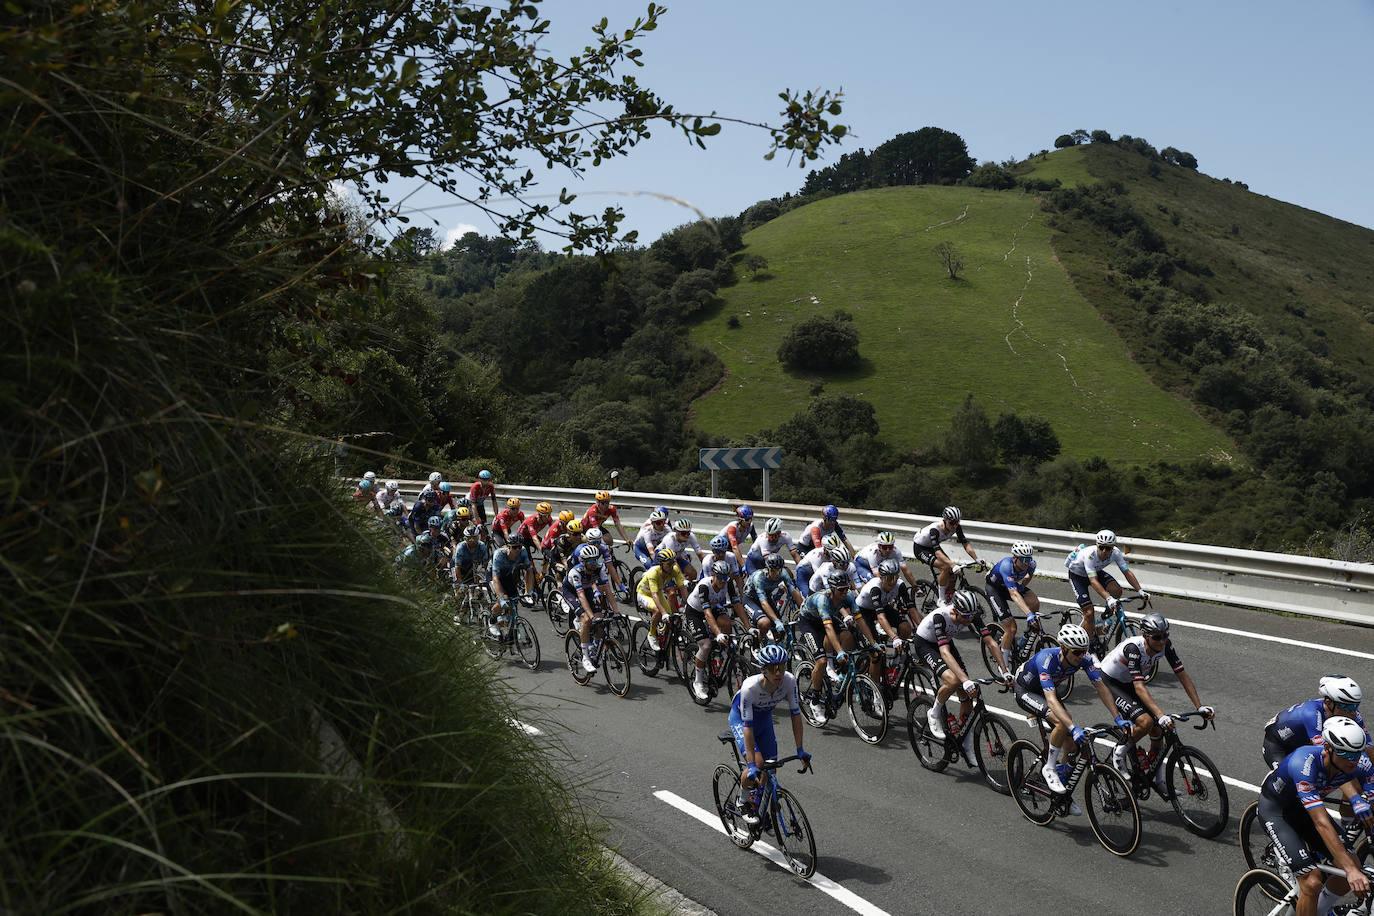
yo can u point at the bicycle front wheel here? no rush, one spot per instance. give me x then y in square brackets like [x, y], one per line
[725, 787]
[558, 612]
[646, 650]
[572, 647]
[929, 750]
[1197, 792]
[1027, 784]
[1112, 810]
[1258, 889]
[1255, 843]
[867, 710]
[526, 643]
[991, 741]
[615, 664]
[793, 832]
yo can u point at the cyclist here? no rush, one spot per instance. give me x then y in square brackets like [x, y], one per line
[925, 546]
[709, 604]
[884, 547]
[774, 540]
[1009, 583]
[482, 489]
[823, 629]
[1035, 693]
[559, 526]
[814, 559]
[828, 523]
[684, 543]
[470, 560]
[1124, 670]
[417, 555]
[885, 602]
[582, 585]
[652, 594]
[1301, 723]
[751, 722]
[935, 647]
[362, 493]
[1293, 813]
[560, 553]
[445, 495]
[438, 540]
[720, 551]
[531, 533]
[740, 531]
[1087, 567]
[660, 513]
[507, 521]
[602, 511]
[837, 560]
[650, 536]
[510, 564]
[765, 592]
[426, 501]
[389, 495]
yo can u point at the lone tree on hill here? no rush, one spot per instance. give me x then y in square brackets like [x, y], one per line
[821, 343]
[755, 264]
[950, 259]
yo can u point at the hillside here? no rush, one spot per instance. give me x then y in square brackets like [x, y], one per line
[1013, 331]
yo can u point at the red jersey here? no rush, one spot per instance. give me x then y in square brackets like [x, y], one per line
[595, 516]
[740, 530]
[480, 491]
[554, 531]
[531, 527]
[507, 519]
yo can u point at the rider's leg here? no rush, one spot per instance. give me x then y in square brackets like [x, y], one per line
[945, 572]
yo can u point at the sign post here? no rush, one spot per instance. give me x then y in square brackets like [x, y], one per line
[765, 459]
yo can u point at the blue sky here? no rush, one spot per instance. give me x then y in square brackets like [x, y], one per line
[1274, 94]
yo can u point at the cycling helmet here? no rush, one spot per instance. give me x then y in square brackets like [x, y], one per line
[839, 555]
[447, 515]
[393, 485]
[837, 579]
[513, 502]
[1106, 537]
[720, 569]
[445, 487]
[370, 475]
[771, 654]
[831, 540]
[464, 512]
[575, 526]
[720, 542]
[1344, 736]
[1022, 549]
[434, 521]
[364, 484]
[666, 555]
[774, 526]
[885, 539]
[424, 540]
[663, 509]
[566, 516]
[602, 496]
[745, 512]
[435, 477]
[543, 508]
[589, 552]
[656, 516]
[514, 540]
[774, 561]
[470, 532]
[1072, 636]
[463, 501]
[594, 534]
[484, 475]
[952, 514]
[682, 524]
[1154, 625]
[395, 510]
[1341, 690]
[965, 603]
[830, 512]
[889, 568]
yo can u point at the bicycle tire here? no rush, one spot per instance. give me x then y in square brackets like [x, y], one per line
[870, 720]
[690, 675]
[491, 645]
[803, 682]
[1194, 772]
[991, 739]
[572, 646]
[930, 751]
[793, 833]
[996, 632]
[1026, 785]
[646, 650]
[796, 657]
[557, 612]
[615, 665]
[1256, 846]
[680, 650]
[725, 788]
[1270, 887]
[919, 682]
[527, 643]
[1107, 796]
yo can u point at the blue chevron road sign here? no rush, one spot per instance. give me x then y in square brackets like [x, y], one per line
[741, 459]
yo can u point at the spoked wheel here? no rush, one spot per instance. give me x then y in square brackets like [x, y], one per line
[793, 832]
[725, 785]
[929, 750]
[615, 664]
[558, 613]
[996, 631]
[1027, 785]
[796, 658]
[573, 647]
[646, 650]
[991, 741]
[1197, 792]
[1112, 810]
[490, 644]
[1258, 889]
[526, 643]
[680, 651]
[809, 713]
[867, 710]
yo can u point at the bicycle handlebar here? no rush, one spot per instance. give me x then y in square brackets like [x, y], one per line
[775, 764]
[1185, 716]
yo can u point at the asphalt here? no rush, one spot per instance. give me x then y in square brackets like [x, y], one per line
[906, 840]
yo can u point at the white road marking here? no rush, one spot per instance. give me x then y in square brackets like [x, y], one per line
[818, 880]
[527, 729]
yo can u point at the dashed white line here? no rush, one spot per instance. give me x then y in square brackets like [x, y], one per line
[818, 880]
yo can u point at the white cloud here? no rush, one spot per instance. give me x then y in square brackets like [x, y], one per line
[456, 233]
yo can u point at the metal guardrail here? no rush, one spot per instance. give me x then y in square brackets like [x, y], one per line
[1312, 586]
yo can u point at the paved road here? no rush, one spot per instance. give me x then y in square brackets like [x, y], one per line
[909, 841]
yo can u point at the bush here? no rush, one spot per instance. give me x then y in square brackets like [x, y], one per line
[1101, 136]
[993, 176]
[969, 441]
[820, 343]
[1064, 140]
[1024, 440]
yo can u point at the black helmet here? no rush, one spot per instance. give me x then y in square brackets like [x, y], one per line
[1154, 625]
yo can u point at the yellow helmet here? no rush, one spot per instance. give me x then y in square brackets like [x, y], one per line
[543, 508]
[513, 502]
[603, 497]
[566, 516]
[575, 526]
[464, 512]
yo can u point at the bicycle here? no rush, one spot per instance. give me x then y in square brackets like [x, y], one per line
[605, 652]
[723, 667]
[859, 692]
[474, 601]
[1027, 644]
[902, 671]
[1115, 626]
[930, 595]
[1185, 768]
[519, 637]
[991, 738]
[1113, 812]
[1278, 894]
[779, 811]
[650, 656]
[1259, 851]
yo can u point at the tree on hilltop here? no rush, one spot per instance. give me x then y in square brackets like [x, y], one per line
[930, 155]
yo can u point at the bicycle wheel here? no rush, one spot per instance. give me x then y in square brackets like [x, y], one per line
[1197, 792]
[490, 644]
[635, 575]
[572, 645]
[1257, 890]
[558, 612]
[680, 650]
[796, 657]
[738, 667]
[929, 750]
[996, 632]
[1112, 810]
[725, 787]
[646, 650]
[1256, 846]
[1026, 785]
[793, 832]
[991, 740]
[919, 682]
[527, 643]
[867, 710]
[615, 664]
[807, 708]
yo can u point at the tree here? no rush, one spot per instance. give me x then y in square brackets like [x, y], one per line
[993, 176]
[1080, 137]
[950, 259]
[969, 441]
[820, 343]
[1187, 160]
[926, 156]
[1064, 140]
[1024, 440]
[755, 263]
[1101, 136]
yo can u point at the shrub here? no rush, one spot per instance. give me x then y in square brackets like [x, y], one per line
[1024, 440]
[993, 176]
[820, 343]
[1064, 140]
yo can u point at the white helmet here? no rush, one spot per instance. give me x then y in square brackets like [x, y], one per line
[1106, 537]
[682, 524]
[839, 555]
[952, 514]
[435, 477]
[885, 538]
[370, 475]
[1341, 690]
[1343, 735]
[1022, 549]
[593, 534]
[774, 526]
[393, 485]
[1072, 636]
[657, 516]
[831, 541]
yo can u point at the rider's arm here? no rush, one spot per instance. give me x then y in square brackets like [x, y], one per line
[1186, 680]
[964, 541]
[832, 639]
[1326, 829]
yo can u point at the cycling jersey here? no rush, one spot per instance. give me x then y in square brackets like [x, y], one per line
[817, 582]
[929, 538]
[507, 569]
[685, 548]
[530, 527]
[766, 545]
[507, 520]
[648, 539]
[811, 537]
[820, 607]
[1003, 575]
[939, 626]
[1302, 780]
[595, 516]
[1086, 563]
[759, 586]
[1301, 724]
[579, 578]
[655, 582]
[869, 558]
[708, 557]
[873, 597]
[469, 558]
[739, 532]
[705, 595]
[753, 706]
[1047, 669]
[556, 529]
[1132, 660]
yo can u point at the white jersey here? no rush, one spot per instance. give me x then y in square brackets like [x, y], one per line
[1085, 562]
[815, 558]
[764, 547]
[873, 597]
[386, 497]
[705, 595]
[756, 701]
[817, 583]
[873, 556]
[688, 548]
[708, 557]
[930, 537]
[652, 536]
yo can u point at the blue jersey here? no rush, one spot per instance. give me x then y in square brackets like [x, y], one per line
[760, 586]
[1048, 668]
[1301, 724]
[1004, 575]
[820, 607]
[469, 557]
[507, 569]
[1301, 780]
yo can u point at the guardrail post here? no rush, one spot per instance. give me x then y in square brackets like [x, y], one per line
[715, 476]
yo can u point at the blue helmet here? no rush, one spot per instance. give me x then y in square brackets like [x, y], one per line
[745, 512]
[365, 484]
[445, 487]
[831, 513]
[434, 521]
[720, 542]
[773, 561]
[484, 475]
[771, 654]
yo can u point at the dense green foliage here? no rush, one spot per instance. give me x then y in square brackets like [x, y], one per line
[930, 155]
[821, 344]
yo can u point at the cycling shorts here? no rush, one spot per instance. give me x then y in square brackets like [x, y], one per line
[810, 633]
[926, 554]
[1297, 843]
[929, 654]
[1083, 591]
[646, 603]
[1000, 597]
[1127, 703]
[756, 612]
[765, 740]
[870, 617]
[1275, 748]
[894, 617]
[695, 622]
[1032, 701]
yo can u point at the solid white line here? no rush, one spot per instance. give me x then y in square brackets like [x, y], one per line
[527, 729]
[1338, 650]
[818, 880]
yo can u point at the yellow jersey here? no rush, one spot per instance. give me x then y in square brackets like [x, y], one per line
[653, 583]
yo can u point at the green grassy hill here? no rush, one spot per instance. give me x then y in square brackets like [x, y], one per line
[1014, 331]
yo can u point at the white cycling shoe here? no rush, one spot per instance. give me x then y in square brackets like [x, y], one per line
[1121, 760]
[1052, 781]
[699, 688]
[937, 728]
[587, 665]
